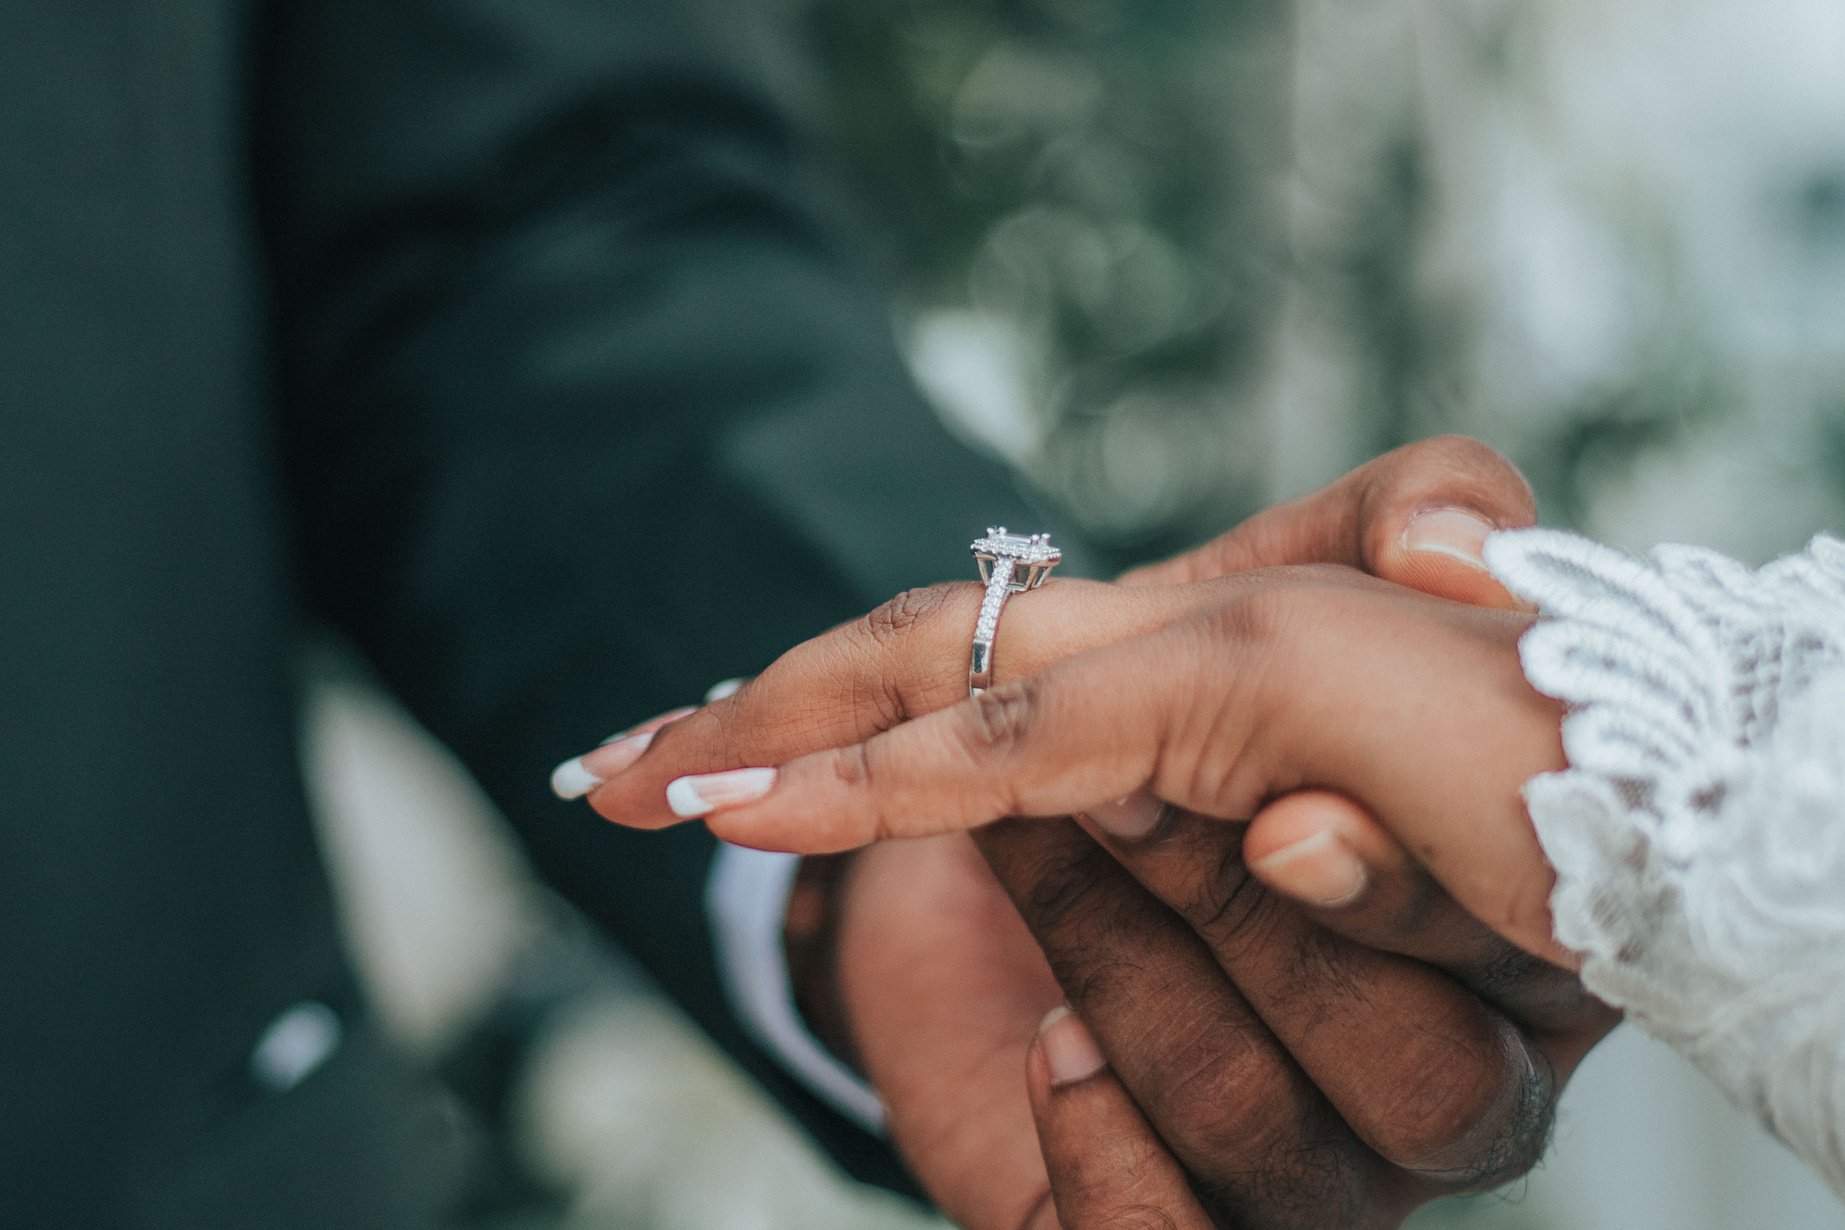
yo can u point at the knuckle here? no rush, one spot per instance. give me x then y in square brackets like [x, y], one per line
[1459, 452]
[1199, 871]
[1138, 1217]
[1237, 641]
[1215, 742]
[1002, 718]
[1469, 461]
[1066, 888]
[1230, 1098]
[892, 623]
[1091, 980]
[1526, 1135]
[908, 626]
[851, 767]
[1261, 1146]
[1437, 1110]
[899, 648]
[1317, 1180]
[1474, 1122]
[1254, 617]
[1233, 912]
[1316, 974]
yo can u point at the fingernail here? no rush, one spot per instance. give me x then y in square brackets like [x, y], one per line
[1069, 1048]
[705, 793]
[611, 758]
[1453, 532]
[724, 691]
[652, 724]
[1319, 870]
[575, 778]
[1130, 819]
[571, 780]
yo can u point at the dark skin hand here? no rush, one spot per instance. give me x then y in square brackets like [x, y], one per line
[1108, 1166]
[1303, 1066]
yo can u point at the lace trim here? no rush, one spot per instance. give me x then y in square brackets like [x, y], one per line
[1699, 832]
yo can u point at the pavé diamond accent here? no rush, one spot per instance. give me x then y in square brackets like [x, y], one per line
[997, 587]
[1009, 564]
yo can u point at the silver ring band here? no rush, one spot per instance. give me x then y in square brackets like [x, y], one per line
[1002, 557]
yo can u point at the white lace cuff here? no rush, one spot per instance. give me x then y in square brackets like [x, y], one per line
[1699, 832]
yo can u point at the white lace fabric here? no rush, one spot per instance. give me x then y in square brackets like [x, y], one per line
[1699, 831]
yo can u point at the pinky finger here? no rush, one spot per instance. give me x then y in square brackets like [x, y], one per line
[1109, 1171]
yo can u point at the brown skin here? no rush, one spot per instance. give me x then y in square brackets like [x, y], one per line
[1297, 1076]
[1108, 1166]
[943, 985]
[1245, 689]
[1302, 1079]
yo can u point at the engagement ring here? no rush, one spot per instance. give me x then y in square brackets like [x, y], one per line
[1003, 557]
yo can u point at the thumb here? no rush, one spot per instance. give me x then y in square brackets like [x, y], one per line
[1417, 516]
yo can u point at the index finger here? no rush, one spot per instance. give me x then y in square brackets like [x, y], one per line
[904, 659]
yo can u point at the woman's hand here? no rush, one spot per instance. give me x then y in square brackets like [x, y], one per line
[1216, 698]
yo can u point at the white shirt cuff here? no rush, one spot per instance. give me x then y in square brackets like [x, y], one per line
[747, 901]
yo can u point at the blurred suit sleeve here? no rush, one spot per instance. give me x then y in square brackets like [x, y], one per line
[585, 404]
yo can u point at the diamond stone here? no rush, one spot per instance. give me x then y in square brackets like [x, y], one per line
[999, 544]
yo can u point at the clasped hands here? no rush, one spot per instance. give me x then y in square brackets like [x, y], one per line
[1299, 916]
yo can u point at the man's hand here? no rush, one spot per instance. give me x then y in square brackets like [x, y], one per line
[1109, 1168]
[941, 985]
[1303, 1081]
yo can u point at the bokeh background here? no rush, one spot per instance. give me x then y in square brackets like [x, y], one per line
[1177, 259]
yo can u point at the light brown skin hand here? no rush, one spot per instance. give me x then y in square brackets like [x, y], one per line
[1303, 1065]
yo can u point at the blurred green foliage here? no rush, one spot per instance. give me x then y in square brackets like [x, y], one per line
[1074, 168]
[1230, 247]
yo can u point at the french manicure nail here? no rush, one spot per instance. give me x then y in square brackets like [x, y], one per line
[577, 777]
[652, 724]
[1453, 532]
[703, 794]
[1319, 870]
[724, 690]
[1069, 1048]
[571, 780]
[611, 758]
[1129, 819]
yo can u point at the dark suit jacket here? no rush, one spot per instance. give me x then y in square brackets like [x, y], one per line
[511, 337]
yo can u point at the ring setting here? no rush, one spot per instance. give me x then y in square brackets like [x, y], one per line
[1009, 564]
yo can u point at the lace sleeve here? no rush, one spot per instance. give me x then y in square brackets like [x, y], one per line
[1699, 832]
